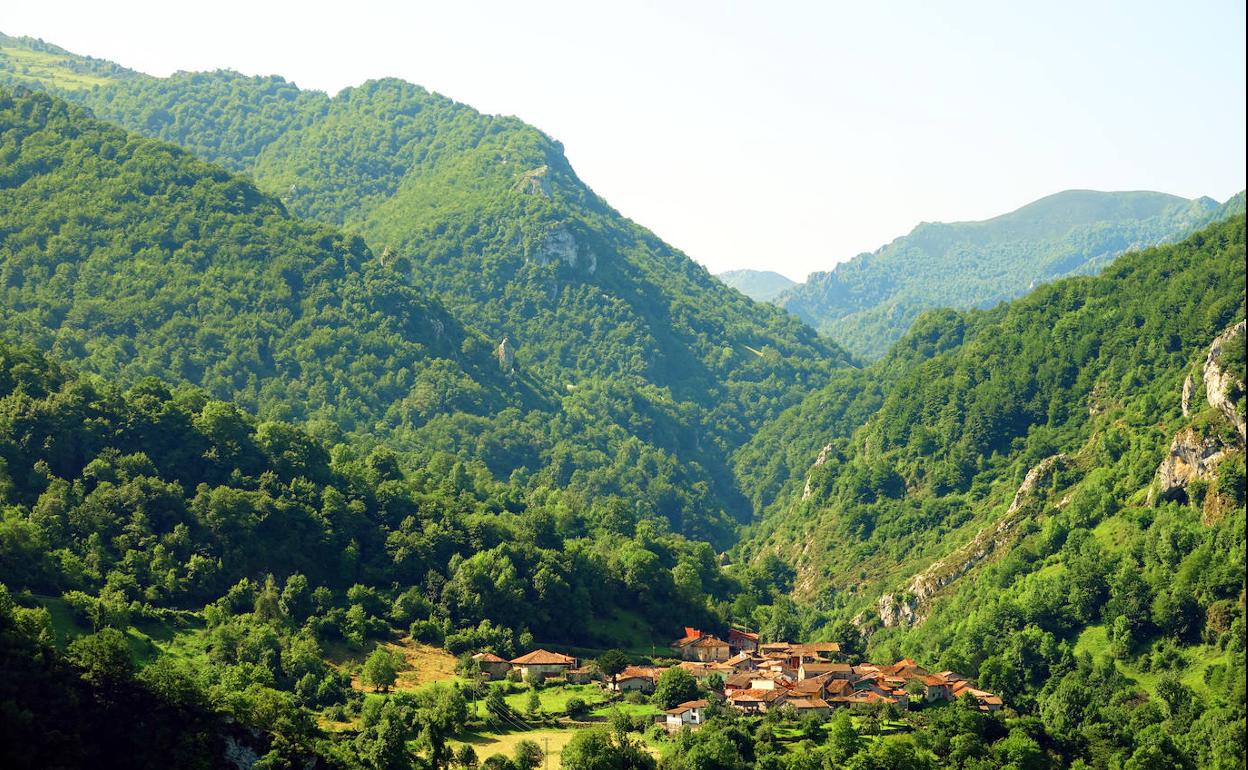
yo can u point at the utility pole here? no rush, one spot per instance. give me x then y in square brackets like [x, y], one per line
[546, 753]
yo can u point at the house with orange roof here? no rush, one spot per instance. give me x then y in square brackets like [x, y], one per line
[688, 714]
[757, 701]
[491, 665]
[543, 663]
[636, 678]
[810, 670]
[742, 641]
[804, 706]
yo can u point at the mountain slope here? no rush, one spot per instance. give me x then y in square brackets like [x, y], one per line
[495, 221]
[758, 285]
[139, 260]
[656, 369]
[868, 302]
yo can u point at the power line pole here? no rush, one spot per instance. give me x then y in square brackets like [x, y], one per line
[546, 753]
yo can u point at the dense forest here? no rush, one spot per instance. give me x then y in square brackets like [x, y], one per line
[867, 303]
[258, 430]
[482, 215]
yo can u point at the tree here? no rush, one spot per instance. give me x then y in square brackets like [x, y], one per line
[675, 686]
[496, 705]
[466, 757]
[528, 755]
[104, 657]
[611, 663]
[534, 703]
[598, 749]
[843, 739]
[381, 670]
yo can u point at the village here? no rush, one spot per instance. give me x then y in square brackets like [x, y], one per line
[752, 677]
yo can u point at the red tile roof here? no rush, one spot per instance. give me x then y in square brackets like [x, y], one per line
[544, 658]
[688, 706]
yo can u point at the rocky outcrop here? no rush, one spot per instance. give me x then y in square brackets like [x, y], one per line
[1195, 455]
[819, 461]
[909, 606]
[535, 182]
[1219, 383]
[506, 356]
[560, 245]
[1191, 457]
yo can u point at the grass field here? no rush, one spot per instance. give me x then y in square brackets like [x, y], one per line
[47, 67]
[488, 743]
[1094, 641]
[555, 699]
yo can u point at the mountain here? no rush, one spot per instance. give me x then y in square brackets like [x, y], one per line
[629, 367]
[867, 303]
[758, 285]
[137, 259]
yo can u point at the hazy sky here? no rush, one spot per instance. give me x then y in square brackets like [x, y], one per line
[777, 135]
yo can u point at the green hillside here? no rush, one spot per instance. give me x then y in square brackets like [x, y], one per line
[136, 259]
[661, 370]
[997, 510]
[867, 303]
[758, 285]
[33, 63]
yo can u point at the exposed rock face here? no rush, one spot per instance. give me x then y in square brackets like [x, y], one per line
[909, 605]
[240, 755]
[535, 182]
[1191, 457]
[1189, 385]
[1219, 382]
[506, 356]
[560, 245]
[820, 460]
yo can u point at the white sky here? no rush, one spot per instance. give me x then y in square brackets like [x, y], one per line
[776, 135]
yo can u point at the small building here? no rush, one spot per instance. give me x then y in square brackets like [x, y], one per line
[543, 663]
[804, 706]
[935, 688]
[635, 678]
[811, 670]
[862, 698]
[704, 672]
[740, 662]
[581, 675]
[706, 649]
[491, 665]
[757, 701]
[816, 651]
[742, 641]
[772, 648]
[688, 714]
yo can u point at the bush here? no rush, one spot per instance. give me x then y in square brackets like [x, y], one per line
[427, 631]
[577, 708]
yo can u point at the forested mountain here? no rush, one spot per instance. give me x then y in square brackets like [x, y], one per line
[375, 368]
[996, 495]
[760, 285]
[652, 363]
[867, 303]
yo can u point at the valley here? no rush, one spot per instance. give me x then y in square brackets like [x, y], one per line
[357, 431]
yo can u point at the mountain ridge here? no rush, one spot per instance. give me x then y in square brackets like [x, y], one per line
[868, 301]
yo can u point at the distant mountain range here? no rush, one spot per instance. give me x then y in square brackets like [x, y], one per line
[867, 303]
[760, 285]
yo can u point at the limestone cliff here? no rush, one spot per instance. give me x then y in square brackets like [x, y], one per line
[819, 461]
[1220, 383]
[1195, 455]
[909, 605]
